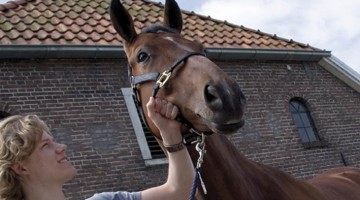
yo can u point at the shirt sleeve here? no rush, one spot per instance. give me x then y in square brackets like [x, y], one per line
[116, 196]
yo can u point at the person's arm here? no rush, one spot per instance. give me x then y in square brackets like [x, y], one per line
[181, 170]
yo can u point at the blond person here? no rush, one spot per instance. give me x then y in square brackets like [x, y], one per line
[33, 166]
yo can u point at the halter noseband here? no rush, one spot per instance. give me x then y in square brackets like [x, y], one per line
[161, 80]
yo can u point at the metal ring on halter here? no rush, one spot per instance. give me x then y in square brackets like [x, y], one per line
[163, 78]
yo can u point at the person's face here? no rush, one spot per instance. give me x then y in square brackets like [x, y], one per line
[48, 163]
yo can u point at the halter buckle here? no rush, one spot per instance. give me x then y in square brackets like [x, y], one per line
[164, 77]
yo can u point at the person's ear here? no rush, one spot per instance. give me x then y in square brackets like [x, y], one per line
[19, 169]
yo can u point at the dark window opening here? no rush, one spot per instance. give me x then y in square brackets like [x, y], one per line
[303, 121]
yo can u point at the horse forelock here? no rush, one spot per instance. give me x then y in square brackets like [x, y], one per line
[156, 28]
[176, 37]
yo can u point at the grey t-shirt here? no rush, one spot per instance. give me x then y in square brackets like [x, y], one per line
[116, 196]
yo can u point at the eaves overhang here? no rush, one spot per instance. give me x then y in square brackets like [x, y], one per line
[342, 71]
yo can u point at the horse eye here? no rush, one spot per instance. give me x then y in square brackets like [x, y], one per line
[142, 56]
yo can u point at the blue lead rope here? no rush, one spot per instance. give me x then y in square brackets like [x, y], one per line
[195, 184]
[200, 147]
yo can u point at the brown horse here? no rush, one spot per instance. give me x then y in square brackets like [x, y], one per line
[213, 102]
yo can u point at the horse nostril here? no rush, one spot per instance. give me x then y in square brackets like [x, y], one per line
[212, 97]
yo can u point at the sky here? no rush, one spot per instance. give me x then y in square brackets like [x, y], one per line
[330, 25]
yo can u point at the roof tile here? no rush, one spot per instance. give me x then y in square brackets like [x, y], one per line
[19, 27]
[42, 7]
[55, 35]
[89, 9]
[84, 15]
[101, 10]
[15, 19]
[48, 13]
[82, 4]
[54, 21]
[35, 27]
[97, 16]
[60, 14]
[72, 15]
[29, 7]
[87, 28]
[21, 13]
[27, 34]
[80, 21]
[75, 28]
[14, 34]
[42, 34]
[36, 13]
[95, 36]
[69, 35]
[6, 27]
[75, 22]
[61, 28]
[67, 21]
[28, 20]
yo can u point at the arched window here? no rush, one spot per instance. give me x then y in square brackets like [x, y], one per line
[303, 121]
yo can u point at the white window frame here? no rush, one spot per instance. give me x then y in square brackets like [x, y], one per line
[140, 135]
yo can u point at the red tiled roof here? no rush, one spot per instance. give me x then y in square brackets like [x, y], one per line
[87, 22]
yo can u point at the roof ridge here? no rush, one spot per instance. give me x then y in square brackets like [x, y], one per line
[13, 4]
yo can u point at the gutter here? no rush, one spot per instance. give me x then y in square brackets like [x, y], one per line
[117, 51]
[61, 52]
[266, 54]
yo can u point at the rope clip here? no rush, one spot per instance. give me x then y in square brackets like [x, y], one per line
[200, 148]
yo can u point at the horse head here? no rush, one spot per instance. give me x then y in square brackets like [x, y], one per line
[207, 98]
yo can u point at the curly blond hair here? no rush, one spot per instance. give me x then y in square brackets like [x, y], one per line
[18, 138]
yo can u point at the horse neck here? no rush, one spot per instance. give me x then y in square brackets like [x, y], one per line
[229, 175]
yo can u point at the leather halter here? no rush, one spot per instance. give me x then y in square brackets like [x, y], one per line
[161, 80]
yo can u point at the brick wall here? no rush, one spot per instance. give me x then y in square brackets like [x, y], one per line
[83, 104]
[270, 135]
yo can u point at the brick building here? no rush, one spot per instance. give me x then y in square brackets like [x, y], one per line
[63, 61]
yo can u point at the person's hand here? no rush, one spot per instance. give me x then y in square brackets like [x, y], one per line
[163, 114]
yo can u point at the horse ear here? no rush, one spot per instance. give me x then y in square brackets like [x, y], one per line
[172, 15]
[122, 21]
